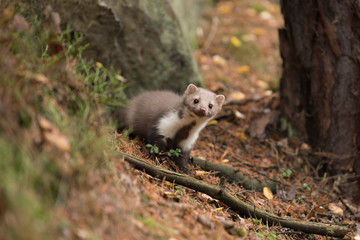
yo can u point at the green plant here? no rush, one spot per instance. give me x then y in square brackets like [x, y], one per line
[301, 198]
[306, 186]
[175, 152]
[268, 234]
[180, 190]
[104, 84]
[35, 174]
[286, 173]
[153, 148]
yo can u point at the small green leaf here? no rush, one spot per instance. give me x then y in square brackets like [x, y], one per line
[301, 198]
[156, 149]
[286, 173]
[306, 186]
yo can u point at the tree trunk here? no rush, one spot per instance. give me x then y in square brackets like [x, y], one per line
[320, 87]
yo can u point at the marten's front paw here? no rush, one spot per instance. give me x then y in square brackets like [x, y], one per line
[182, 163]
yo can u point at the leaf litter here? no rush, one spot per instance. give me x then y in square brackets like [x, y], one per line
[245, 135]
[115, 201]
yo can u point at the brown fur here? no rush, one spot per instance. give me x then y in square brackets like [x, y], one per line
[144, 112]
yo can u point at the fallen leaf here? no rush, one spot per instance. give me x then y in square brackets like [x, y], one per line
[224, 8]
[239, 115]
[219, 60]
[218, 209]
[41, 78]
[235, 41]
[212, 122]
[241, 135]
[267, 193]
[243, 69]
[266, 15]
[99, 64]
[335, 209]
[169, 184]
[262, 84]
[225, 160]
[259, 31]
[249, 37]
[121, 78]
[250, 12]
[20, 24]
[82, 233]
[305, 147]
[7, 13]
[53, 18]
[201, 173]
[53, 135]
[238, 96]
[169, 193]
[357, 231]
[316, 210]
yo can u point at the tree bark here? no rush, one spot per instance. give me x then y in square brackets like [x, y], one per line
[320, 86]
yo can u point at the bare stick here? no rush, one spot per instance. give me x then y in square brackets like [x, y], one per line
[233, 202]
[233, 175]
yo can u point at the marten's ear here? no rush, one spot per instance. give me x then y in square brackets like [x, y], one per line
[191, 89]
[220, 99]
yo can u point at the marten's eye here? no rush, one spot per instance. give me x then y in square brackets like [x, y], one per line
[210, 106]
[196, 100]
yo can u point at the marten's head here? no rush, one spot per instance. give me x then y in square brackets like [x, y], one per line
[202, 102]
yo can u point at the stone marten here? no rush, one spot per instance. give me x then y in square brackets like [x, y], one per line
[171, 121]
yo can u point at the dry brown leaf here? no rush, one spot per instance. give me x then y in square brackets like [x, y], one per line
[238, 96]
[41, 78]
[243, 69]
[201, 173]
[219, 60]
[239, 115]
[53, 135]
[316, 210]
[305, 147]
[267, 193]
[20, 24]
[218, 209]
[335, 209]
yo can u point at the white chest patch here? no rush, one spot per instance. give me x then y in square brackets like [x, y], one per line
[170, 124]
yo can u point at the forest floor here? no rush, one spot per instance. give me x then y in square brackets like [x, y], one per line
[239, 57]
[70, 183]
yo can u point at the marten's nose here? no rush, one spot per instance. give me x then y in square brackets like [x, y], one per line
[202, 110]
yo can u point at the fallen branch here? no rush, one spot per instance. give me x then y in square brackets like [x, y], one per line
[233, 175]
[234, 203]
